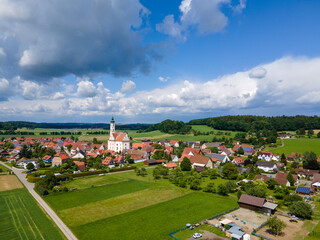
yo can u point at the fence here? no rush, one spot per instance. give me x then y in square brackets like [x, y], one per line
[216, 216]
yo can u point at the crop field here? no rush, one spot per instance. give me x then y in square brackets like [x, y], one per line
[299, 145]
[133, 207]
[22, 218]
[9, 182]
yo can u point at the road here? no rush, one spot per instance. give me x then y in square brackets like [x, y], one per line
[22, 176]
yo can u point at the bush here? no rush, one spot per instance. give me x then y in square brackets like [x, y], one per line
[301, 209]
[222, 189]
[33, 179]
[40, 189]
[122, 169]
[289, 199]
[210, 188]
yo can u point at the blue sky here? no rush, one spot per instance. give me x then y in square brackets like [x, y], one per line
[146, 61]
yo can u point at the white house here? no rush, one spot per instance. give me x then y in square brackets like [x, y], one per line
[268, 156]
[118, 141]
[267, 166]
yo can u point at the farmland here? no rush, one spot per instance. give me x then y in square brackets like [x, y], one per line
[126, 206]
[9, 182]
[22, 218]
[299, 145]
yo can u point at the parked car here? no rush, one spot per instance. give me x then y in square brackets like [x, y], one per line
[197, 235]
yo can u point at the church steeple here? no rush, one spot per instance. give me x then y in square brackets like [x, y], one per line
[112, 126]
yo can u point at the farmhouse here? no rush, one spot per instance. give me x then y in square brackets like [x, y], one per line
[118, 141]
[267, 166]
[200, 161]
[257, 204]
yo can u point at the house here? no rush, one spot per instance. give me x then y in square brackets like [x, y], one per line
[237, 161]
[211, 145]
[303, 190]
[119, 159]
[262, 177]
[242, 170]
[16, 150]
[60, 158]
[267, 166]
[174, 158]
[268, 156]
[257, 204]
[80, 154]
[201, 161]
[153, 162]
[188, 152]
[172, 165]
[248, 149]
[23, 162]
[47, 159]
[234, 232]
[281, 178]
[108, 161]
[81, 165]
[218, 158]
[304, 173]
[316, 181]
[285, 136]
[118, 141]
[293, 155]
[174, 143]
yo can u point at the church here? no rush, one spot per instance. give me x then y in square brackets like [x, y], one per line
[118, 141]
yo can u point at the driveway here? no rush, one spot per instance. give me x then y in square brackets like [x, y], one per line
[22, 177]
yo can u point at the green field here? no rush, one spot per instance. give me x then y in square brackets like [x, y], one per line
[133, 207]
[299, 145]
[4, 169]
[22, 218]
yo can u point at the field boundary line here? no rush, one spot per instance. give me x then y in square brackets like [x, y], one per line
[14, 221]
[31, 218]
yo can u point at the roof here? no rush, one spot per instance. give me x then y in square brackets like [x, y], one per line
[252, 200]
[213, 144]
[265, 164]
[220, 157]
[261, 177]
[120, 136]
[281, 178]
[199, 159]
[304, 190]
[270, 205]
[316, 177]
[171, 165]
[225, 221]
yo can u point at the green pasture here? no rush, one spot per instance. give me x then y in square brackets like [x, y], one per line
[299, 145]
[22, 218]
[126, 206]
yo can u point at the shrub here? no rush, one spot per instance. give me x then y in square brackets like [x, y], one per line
[33, 179]
[275, 225]
[301, 209]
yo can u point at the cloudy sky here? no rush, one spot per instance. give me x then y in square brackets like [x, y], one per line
[146, 61]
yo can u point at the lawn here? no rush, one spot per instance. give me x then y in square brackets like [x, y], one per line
[299, 145]
[4, 169]
[134, 208]
[22, 218]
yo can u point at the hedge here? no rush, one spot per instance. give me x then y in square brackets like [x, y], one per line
[33, 179]
[76, 175]
[122, 169]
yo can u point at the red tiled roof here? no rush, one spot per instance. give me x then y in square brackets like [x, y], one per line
[171, 165]
[199, 159]
[251, 200]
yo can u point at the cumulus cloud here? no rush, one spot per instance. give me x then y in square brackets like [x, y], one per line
[258, 72]
[128, 86]
[290, 83]
[74, 37]
[205, 15]
[4, 89]
[86, 89]
[163, 79]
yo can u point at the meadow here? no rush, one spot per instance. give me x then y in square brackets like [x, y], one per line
[133, 207]
[299, 145]
[22, 218]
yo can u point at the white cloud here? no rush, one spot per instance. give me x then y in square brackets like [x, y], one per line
[128, 86]
[2, 53]
[30, 90]
[205, 15]
[242, 5]
[290, 83]
[86, 89]
[258, 72]
[58, 95]
[5, 90]
[163, 79]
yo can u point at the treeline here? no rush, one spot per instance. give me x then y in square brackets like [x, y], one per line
[170, 126]
[14, 125]
[247, 123]
[13, 132]
[60, 133]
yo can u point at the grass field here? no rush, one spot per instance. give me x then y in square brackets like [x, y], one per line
[299, 145]
[4, 169]
[22, 218]
[126, 206]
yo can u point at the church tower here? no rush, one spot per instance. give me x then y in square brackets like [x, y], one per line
[112, 126]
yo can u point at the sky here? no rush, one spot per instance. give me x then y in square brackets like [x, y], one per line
[146, 61]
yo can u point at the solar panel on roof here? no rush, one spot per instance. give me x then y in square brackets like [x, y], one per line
[303, 190]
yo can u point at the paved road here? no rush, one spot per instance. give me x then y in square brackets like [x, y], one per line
[22, 176]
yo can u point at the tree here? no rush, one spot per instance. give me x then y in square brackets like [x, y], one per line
[271, 183]
[275, 225]
[230, 171]
[310, 133]
[186, 164]
[222, 189]
[94, 140]
[289, 199]
[240, 151]
[30, 166]
[231, 186]
[195, 184]
[42, 164]
[141, 172]
[283, 158]
[318, 135]
[239, 193]
[310, 161]
[210, 188]
[301, 209]
[128, 158]
[291, 179]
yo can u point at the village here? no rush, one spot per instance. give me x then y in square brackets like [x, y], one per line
[275, 192]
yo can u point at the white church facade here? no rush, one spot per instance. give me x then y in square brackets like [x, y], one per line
[118, 141]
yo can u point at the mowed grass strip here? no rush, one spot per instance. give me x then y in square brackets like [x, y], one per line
[114, 206]
[299, 145]
[22, 218]
[84, 196]
[157, 221]
[87, 182]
